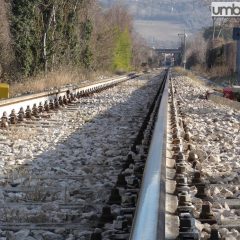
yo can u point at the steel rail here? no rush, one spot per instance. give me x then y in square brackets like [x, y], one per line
[149, 218]
[16, 103]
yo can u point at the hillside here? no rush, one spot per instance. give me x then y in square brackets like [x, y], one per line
[191, 15]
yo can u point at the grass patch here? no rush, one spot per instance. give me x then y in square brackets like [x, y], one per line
[221, 74]
[184, 72]
[218, 74]
[54, 80]
[189, 74]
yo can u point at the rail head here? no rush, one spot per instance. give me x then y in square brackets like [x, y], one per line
[149, 219]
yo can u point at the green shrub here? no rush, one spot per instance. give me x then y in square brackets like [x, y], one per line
[123, 51]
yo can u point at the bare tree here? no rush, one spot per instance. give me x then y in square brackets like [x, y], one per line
[140, 51]
[119, 16]
[196, 50]
[103, 38]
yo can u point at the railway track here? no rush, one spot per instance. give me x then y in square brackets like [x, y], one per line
[65, 173]
[150, 181]
[14, 110]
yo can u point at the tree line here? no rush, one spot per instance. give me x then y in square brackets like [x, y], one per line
[43, 35]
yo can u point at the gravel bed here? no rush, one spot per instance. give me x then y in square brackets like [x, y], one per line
[60, 169]
[214, 142]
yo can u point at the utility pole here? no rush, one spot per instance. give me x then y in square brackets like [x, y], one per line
[214, 28]
[184, 50]
[183, 37]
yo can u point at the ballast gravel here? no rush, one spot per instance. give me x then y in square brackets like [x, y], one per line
[60, 169]
[214, 136]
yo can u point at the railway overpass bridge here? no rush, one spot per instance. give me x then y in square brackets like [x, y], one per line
[168, 50]
[170, 56]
